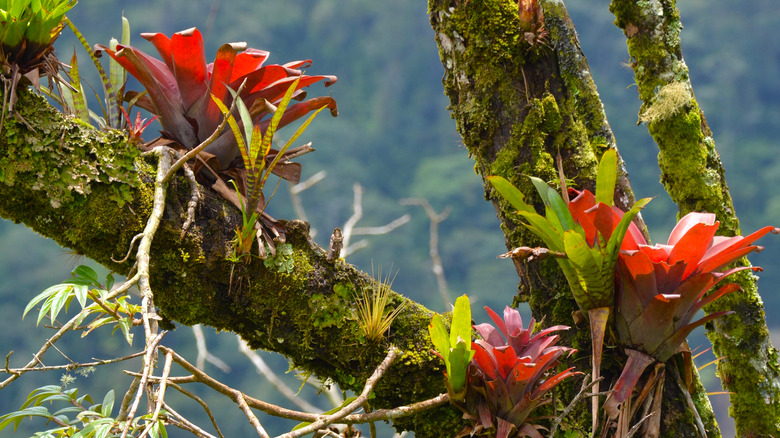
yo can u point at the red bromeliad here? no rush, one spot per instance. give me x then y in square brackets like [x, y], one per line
[662, 287]
[509, 375]
[181, 84]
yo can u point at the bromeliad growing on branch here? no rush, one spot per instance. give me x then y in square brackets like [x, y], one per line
[510, 375]
[589, 231]
[662, 287]
[181, 84]
[500, 379]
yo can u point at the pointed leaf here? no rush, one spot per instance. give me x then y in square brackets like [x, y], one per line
[607, 178]
[439, 337]
[511, 193]
[461, 322]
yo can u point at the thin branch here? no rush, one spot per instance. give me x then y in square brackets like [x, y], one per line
[75, 365]
[188, 425]
[272, 378]
[198, 400]
[295, 198]
[433, 243]
[323, 422]
[689, 401]
[147, 369]
[160, 394]
[584, 392]
[250, 415]
[203, 353]
[357, 214]
[349, 229]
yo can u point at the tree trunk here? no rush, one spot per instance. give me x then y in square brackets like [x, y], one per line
[693, 176]
[518, 101]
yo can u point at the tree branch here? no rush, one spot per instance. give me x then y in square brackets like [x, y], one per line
[89, 191]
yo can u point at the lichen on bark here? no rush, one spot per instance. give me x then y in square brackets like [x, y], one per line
[693, 175]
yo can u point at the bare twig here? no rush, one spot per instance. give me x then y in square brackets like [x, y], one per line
[147, 370]
[203, 352]
[433, 243]
[160, 394]
[689, 401]
[187, 425]
[584, 392]
[349, 229]
[74, 365]
[272, 378]
[323, 422]
[250, 415]
[198, 400]
[295, 198]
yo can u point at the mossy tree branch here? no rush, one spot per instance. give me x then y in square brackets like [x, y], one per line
[692, 173]
[91, 192]
[517, 105]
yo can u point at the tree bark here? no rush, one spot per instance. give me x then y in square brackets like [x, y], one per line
[693, 176]
[517, 105]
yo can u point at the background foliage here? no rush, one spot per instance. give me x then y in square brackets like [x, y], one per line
[395, 137]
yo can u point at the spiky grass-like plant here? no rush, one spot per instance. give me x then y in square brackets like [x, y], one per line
[374, 318]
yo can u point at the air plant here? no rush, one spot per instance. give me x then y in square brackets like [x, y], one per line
[374, 318]
[511, 375]
[662, 287]
[590, 251]
[180, 87]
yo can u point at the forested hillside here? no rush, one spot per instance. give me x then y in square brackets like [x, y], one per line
[394, 136]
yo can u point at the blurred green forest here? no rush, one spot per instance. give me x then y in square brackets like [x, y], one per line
[395, 137]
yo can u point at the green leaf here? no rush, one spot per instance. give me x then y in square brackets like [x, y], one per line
[561, 210]
[80, 108]
[588, 262]
[511, 193]
[42, 296]
[108, 404]
[234, 128]
[542, 227]
[460, 356]
[607, 178]
[439, 337]
[461, 322]
[18, 416]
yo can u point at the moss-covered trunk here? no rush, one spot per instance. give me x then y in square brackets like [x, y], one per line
[692, 173]
[519, 99]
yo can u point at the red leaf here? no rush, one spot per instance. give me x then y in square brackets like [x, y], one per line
[189, 65]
